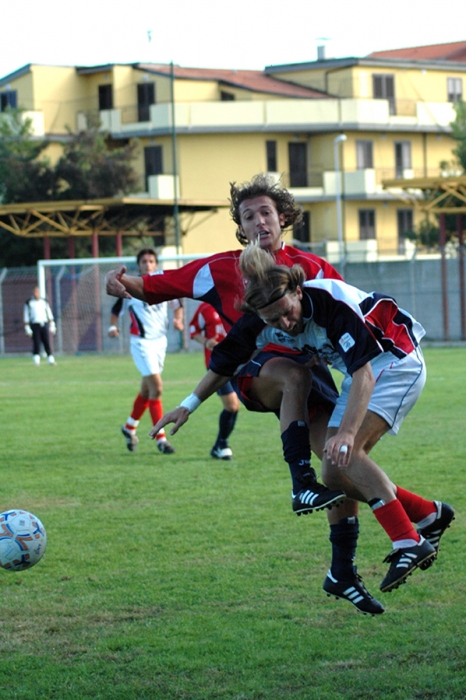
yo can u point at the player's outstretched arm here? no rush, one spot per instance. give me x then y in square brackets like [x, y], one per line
[119, 284]
[209, 384]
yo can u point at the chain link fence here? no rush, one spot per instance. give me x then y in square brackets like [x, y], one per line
[76, 293]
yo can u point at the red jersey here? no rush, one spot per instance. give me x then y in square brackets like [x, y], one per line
[217, 279]
[208, 323]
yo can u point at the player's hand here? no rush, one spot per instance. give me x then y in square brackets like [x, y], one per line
[178, 324]
[339, 448]
[113, 284]
[178, 416]
[113, 332]
[28, 330]
[52, 327]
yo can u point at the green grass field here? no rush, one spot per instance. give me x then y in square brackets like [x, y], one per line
[176, 577]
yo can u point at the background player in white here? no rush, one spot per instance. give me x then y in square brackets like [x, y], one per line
[207, 328]
[148, 338]
[38, 322]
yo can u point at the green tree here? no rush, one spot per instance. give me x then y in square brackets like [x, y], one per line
[89, 168]
[458, 132]
[24, 176]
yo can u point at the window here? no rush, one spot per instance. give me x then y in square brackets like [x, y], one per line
[405, 224]
[455, 89]
[402, 157]
[105, 97]
[302, 230]
[364, 156]
[271, 150]
[366, 224]
[146, 98]
[383, 87]
[153, 162]
[9, 98]
[226, 96]
[297, 156]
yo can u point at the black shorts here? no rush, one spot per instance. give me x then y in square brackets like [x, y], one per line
[323, 394]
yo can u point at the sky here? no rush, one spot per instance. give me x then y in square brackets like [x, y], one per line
[243, 34]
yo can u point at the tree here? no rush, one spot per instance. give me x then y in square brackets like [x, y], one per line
[89, 168]
[458, 132]
[24, 177]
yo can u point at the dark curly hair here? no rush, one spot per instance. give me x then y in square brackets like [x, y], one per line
[263, 185]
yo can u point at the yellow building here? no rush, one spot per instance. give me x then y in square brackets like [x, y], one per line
[392, 111]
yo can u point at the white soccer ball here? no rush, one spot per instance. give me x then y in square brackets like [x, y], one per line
[22, 540]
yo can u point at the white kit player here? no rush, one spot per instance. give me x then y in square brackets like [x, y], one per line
[148, 342]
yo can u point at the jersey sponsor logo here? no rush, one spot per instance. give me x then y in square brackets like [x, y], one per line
[346, 341]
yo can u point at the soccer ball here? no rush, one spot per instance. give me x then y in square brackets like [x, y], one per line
[22, 540]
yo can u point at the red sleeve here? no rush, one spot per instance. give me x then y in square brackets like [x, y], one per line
[172, 284]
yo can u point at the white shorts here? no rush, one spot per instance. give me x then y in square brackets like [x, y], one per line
[398, 385]
[149, 355]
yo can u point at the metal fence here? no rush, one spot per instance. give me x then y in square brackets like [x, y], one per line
[76, 293]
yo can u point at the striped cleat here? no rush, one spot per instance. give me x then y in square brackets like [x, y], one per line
[433, 532]
[404, 561]
[315, 497]
[353, 591]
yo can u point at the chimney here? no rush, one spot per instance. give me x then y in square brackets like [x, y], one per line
[321, 53]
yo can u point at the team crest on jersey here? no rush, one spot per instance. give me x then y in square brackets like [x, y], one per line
[346, 341]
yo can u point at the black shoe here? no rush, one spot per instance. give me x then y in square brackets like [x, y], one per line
[131, 439]
[355, 592]
[315, 496]
[221, 452]
[433, 532]
[404, 561]
[165, 447]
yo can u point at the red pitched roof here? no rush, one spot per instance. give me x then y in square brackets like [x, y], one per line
[455, 51]
[254, 80]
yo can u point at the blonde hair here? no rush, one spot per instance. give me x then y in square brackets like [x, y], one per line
[266, 282]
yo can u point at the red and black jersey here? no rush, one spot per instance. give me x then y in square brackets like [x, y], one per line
[217, 279]
[343, 325]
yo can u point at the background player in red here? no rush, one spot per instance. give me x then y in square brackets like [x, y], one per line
[207, 328]
[148, 338]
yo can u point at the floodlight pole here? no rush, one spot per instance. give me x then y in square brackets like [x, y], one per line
[174, 158]
[338, 194]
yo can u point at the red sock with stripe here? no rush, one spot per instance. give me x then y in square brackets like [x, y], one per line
[416, 507]
[156, 413]
[139, 406]
[394, 520]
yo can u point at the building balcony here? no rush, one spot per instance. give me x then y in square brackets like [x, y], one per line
[277, 115]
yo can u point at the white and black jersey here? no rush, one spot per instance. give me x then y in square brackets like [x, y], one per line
[343, 325]
[149, 322]
[37, 311]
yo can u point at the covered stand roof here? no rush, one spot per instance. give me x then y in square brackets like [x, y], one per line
[128, 216]
[440, 195]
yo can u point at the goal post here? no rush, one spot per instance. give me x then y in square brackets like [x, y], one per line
[75, 290]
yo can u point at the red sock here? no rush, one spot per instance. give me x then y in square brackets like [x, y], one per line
[156, 413]
[139, 406]
[395, 522]
[416, 507]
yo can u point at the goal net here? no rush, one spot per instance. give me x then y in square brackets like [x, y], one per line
[75, 289]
